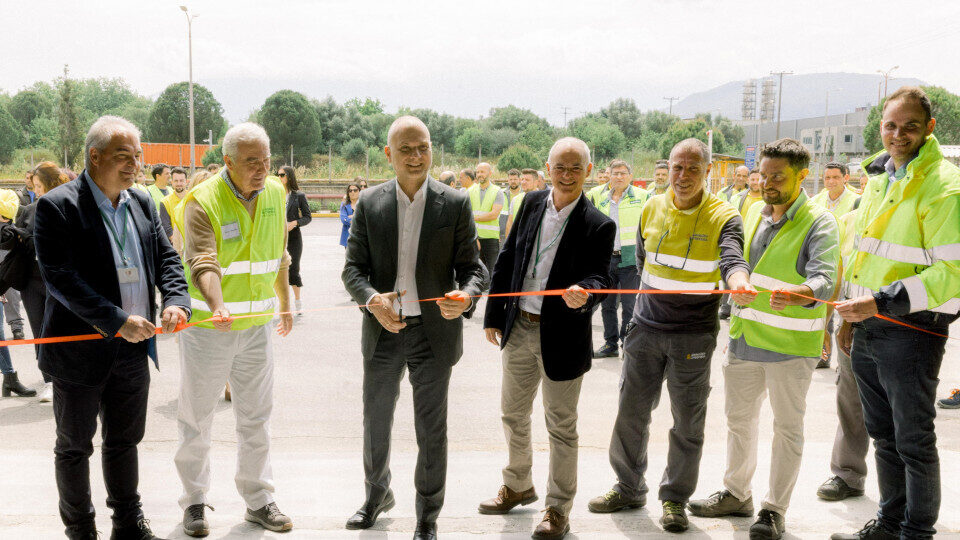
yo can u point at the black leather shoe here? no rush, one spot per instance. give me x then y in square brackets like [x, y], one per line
[835, 489]
[366, 516]
[609, 350]
[426, 530]
[140, 531]
[82, 532]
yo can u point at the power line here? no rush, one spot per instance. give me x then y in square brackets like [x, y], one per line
[566, 110]
[671, 100]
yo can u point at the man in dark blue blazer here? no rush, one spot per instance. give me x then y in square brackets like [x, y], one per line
[559, 241]
[103, 253]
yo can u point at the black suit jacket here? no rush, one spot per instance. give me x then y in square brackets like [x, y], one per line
[583, 258]
[76, 261]
[447, 259]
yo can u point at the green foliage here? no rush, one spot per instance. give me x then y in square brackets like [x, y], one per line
[946, 110]
[443, 129]
[70, 132]
[355, 151]
[519, 157]
[604, 139]
[514, 118]
[354, 120]
[44, 132]
[169, 119]
[696, 129]
[366, 107]
[537, 139]
[213, 155]
[29, 105]
[11, 133]
[624, 114]
[290, 120]
[470, 142]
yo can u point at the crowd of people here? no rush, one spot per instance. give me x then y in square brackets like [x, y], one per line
[222, 250]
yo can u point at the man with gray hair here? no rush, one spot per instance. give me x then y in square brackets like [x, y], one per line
[235, 256]
[102, 253]
[559, 241]
[688, 240]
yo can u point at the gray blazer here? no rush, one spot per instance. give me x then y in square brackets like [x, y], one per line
[447, 259]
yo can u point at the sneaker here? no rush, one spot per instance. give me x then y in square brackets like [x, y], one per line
[298, 305]
[721, 503]
[952, 402]
[18, 333]
[768, 526]
[613, 501]
[836, 489]
[195, 522]
[674, 518]
[609, 350]
[724, 312]
[46, 393]
[269, 517]
[140, 531]
[872, 530]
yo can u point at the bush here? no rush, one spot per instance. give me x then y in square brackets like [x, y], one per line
[213, 155]
[10, 135]
[519, 157]
[355, 150]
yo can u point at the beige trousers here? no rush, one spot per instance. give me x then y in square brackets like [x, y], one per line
[746, 384]
[522, 375]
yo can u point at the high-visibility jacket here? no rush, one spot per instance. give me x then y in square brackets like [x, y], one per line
[515, 203]
[910, 233]
[844, 204]
[157, 194]
[170, 202]
[141, 187]
[510, 208]
[796, 330]
[739, 201]
[249, 250]
[485, 229]
[652, 190]
[629, 211]
[728, 193]
[847, 224]
[595, 193]
[683, 246]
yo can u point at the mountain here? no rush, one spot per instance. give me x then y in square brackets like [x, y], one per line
[804, 95]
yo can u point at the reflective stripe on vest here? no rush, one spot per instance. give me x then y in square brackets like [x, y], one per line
[666, 284]
[237, 308]
[693, 265]
[246, 267]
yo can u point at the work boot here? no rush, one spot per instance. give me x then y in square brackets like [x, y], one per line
[506, 500]
[674, 518]
[613, 501]
[721, 503]
[609, 350]
[269, 517]
[872, 530]
[11, 384]
[554, 525]
[768, 526]
[836, 489]
[194, 521]
[952, 402]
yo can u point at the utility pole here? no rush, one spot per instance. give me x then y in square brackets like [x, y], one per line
[566, 110]
[671, 100]
[291, 155]
[886, 77]
[330, 159]
[193, 150]
[780, 96]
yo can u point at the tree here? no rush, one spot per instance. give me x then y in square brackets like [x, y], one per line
[537, 139]
[367, 107]
[470, 142]
[11, 134]
[355, 150]
[169, 119]
[28, 105]
[514, 118]
[291, 121]
[69, 134]
[604, 139]
[442, 126]
[945, 108]
[623, 113]
[696, 129]
[519, 157]
[213, 155]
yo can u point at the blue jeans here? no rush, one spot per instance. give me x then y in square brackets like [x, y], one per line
[623, 278]
[896, 370]
[6, 365]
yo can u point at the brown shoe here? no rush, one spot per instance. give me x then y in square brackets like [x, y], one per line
[553, 527]
[506, 500]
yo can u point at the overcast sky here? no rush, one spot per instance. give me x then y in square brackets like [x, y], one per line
[464, 57]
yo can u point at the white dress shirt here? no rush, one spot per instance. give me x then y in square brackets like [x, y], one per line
[551, 233]
[409, 225]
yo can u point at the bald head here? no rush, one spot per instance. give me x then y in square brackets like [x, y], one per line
[483, 173]
[405, 123]
[570, 143]
[692, 145]
[408, 149]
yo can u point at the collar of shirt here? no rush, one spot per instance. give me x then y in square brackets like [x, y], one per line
[419, 195]
[225, 174]
[898, 173]
[561, 214]
[102, 201]
[791, 212]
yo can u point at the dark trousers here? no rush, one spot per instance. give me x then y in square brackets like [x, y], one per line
[489, 250]
[849, 457]
[381, 387]
[295, 249]
[649, 358]
[896, 370]
[623, 278]
[121, 403]
[34, 297]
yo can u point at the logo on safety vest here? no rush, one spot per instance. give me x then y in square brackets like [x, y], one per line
[696, 356]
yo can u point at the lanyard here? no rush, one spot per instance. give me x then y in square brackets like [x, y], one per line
[536, 260]
[121, 241]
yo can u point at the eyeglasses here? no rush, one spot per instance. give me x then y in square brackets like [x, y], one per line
[363, 186]
[686, 255]
[282, 175]
[351, 190]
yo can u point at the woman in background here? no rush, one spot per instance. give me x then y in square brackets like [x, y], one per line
[298, 215]
[347, 208]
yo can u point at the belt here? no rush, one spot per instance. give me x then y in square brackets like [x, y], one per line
[616, 252]
[530, 317]
[413, 320]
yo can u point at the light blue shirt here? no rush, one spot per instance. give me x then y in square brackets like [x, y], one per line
[134, 297]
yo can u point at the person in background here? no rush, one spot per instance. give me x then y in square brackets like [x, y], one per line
[595, 193]
[528, 183]
[661, 178]
[33, 292]
[176, 198]
[864, 178]
[298, 215]
[26, 192]
[198, 178]
[448, 178]
[510, 193]
[347, 208]
[736, 185]
[213, 168]
[487, 200]
[623, 203]
[178, 190]
[161, 183]
[139, 184]
[11, 307]
[541, 180]
[9, 207]
[362, 182]
[467, 178]
[742, 201]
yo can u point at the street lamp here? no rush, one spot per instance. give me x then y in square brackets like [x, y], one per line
[886, 76]
[193, 156]
[780, 96]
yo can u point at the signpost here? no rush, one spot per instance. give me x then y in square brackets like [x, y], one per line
[750, 157]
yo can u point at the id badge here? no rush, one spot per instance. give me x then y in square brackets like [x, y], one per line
[230, 231]
[128, 274]
[531, 284]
